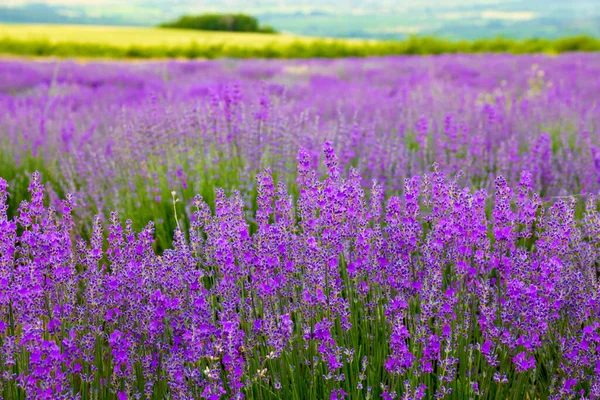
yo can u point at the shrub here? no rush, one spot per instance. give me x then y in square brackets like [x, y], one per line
[219, 22]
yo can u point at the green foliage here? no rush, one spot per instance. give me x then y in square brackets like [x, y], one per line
[219, 22]
[322, 48]
[17, 169]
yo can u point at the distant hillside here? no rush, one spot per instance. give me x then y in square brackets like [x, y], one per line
[41, 13]
[380, 19]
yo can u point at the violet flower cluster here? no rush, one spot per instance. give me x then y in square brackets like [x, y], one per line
[123, 136]
[440, 292]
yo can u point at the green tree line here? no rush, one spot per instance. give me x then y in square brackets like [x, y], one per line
[321, 48]
[219, 22]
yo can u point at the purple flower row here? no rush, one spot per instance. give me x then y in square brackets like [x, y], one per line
[442, 292]
[119, 135]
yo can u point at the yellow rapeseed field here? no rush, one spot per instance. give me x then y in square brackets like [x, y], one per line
[142, 36]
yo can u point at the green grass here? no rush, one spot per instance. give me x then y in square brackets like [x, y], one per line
[147, 43]
[138, 198]
[17, 170]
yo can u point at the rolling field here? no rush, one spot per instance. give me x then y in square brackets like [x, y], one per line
[377, 228]
[143, 43]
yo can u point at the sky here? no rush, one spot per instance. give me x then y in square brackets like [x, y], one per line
[466, 19]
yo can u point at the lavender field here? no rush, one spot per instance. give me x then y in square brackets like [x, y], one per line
[377, 228]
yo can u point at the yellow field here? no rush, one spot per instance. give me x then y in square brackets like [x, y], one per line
[141, 36]
[85, 41]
